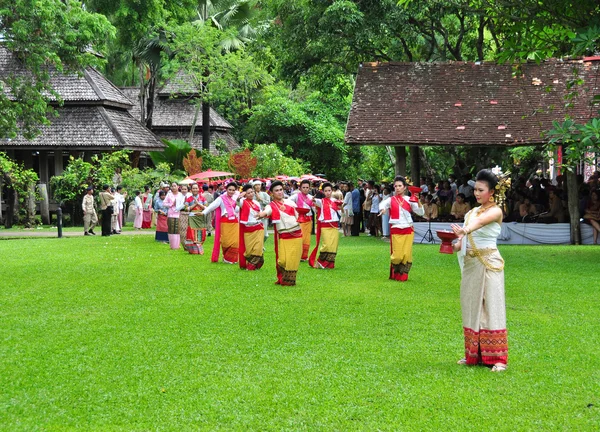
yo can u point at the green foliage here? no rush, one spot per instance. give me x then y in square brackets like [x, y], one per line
[272, 162]
[50, 34]
[306, 127]
[215, 162]
[14, 176]
[226, 79]
[71, 184]
[136, 179]
[108, 164]
[577, 140]
[173, 154]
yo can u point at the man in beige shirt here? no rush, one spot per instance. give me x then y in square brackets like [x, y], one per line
[90, 218]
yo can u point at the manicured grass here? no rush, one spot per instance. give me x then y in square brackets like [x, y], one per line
[122, 333]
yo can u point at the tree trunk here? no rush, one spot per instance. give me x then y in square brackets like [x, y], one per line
[415, 165]
[193, 128]
[400, 160]
[573, 205]
[150, 101]
[205, 126]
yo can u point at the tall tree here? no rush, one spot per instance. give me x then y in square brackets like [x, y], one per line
[53, 35]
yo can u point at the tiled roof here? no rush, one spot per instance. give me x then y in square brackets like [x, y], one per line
[90, 127]
[463, 103]
[90, 88]
[176, 113]
[180, 84]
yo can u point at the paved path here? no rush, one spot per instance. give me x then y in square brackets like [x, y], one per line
[48, 232]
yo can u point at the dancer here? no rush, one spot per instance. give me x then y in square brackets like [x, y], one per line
[328, 235]
[139, 212]
[304, 203]
[147, 208]
[263, 198]
[402, 232]
[251, 230]
[482, 285]
[161, 218]
[288, 235]
[226, 225]
[174, 202]
[195, 233]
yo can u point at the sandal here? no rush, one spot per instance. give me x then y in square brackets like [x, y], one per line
[499, 367]
[462, 361]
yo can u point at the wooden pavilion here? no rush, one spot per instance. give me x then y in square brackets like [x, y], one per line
[468, 104]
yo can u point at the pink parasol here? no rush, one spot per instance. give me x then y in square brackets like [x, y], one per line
[209, 175]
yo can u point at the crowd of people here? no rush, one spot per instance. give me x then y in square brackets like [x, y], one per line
[237, 216]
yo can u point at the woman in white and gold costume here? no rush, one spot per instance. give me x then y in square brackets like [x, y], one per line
[482, 286]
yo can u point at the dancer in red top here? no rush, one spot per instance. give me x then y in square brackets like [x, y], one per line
[251, 230]
[402, 232]
[288, 235]
[304, 203]
[327, 230]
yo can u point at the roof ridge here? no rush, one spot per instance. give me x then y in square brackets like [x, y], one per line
[111, 125]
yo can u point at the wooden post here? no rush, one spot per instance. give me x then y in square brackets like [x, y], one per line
[44, 203]
[400, 160]
[415, 165]
[43, 166]
[58, 162]
[573, 206]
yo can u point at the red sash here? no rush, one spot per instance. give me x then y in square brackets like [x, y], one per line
[278, 208]
[396, 204]
[247, 207]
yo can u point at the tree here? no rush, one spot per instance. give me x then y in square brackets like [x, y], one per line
[18, 182]
[309, 127]
[215, 73]
[53, 35]
[271, 162]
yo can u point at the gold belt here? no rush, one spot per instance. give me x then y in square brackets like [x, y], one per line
[482, 252]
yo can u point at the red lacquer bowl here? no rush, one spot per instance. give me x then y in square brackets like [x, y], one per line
[415, 191]
[446, 237]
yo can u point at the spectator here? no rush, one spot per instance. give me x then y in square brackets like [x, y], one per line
[431, 211]
[460, 208]
[592, 213]
[90, 218]
[527, 210]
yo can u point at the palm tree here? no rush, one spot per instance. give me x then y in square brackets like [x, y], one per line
[225, 14]
[148, 54]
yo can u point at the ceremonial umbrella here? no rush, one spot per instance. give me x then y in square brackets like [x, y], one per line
[205, 175]
[187, 181]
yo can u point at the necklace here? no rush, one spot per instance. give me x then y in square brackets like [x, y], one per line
[483, 209]
[280, 204]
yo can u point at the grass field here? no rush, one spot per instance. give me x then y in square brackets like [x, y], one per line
[122, 333]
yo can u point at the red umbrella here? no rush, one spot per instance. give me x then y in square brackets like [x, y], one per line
[210, 174]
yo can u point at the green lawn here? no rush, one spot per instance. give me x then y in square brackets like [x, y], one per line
[122, 333]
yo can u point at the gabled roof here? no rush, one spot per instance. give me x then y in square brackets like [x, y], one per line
[174, 113]
[94, 115]
[180, 84]
[460, 103]
[90, 88]
[90, 128]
